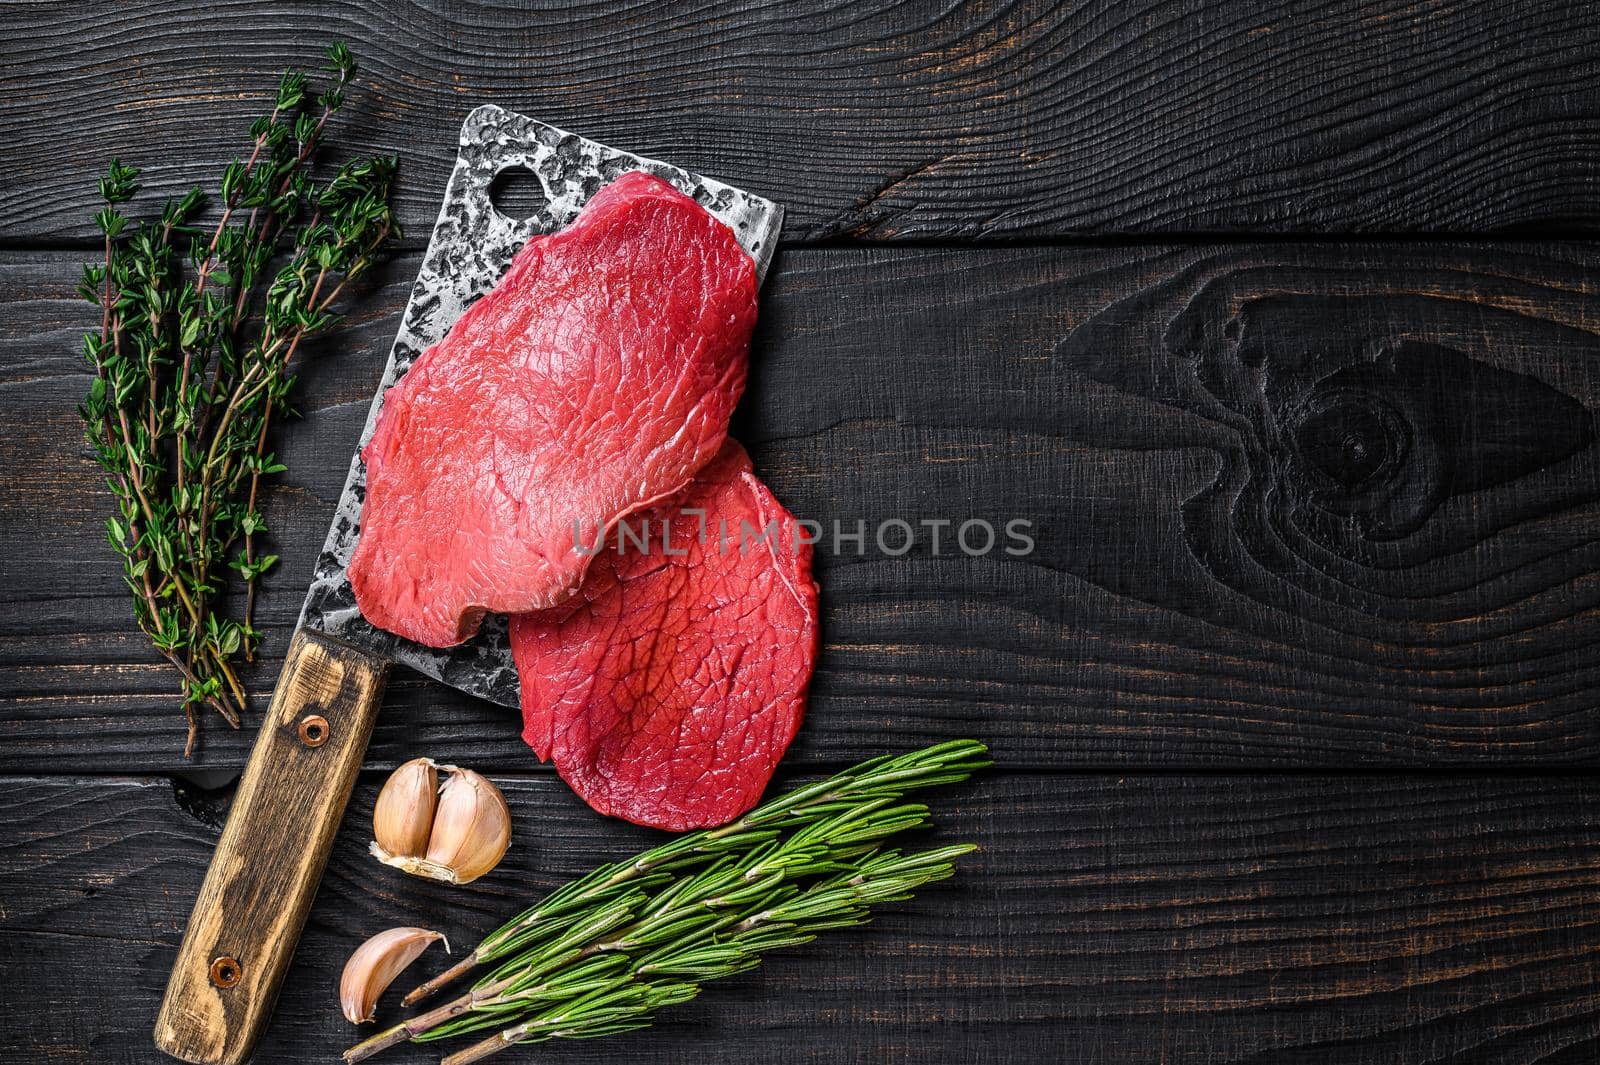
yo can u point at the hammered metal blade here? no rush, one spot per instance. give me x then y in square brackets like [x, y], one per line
[472, 246]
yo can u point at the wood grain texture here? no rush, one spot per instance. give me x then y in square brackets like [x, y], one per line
[967, 120]
[1310, 919]
[1295, 505]
[264, 873]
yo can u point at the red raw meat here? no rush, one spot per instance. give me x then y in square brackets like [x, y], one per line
[594, 380]
[667, 689]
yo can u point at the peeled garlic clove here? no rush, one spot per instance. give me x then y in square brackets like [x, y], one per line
[471, 829]
[402, 820]
[375, 964]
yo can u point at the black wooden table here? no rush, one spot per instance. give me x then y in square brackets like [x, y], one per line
[1280, 321]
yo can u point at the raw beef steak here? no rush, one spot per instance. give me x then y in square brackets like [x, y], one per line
[595, 379]
[667, 689]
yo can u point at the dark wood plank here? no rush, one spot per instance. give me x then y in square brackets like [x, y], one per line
[968, 120]
[1295, 505]
[1339, 920]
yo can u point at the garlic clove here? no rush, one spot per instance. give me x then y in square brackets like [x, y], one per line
[402, 819]
[471, 829]
[375, 964]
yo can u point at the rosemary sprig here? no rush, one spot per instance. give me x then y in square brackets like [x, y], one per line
[882, 780]
[603, 953]
[191, 362]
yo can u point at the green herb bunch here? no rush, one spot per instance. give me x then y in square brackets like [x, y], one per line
[601, 954]
[199, 327]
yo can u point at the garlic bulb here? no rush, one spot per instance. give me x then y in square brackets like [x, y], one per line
[375, 964]
[456, 835]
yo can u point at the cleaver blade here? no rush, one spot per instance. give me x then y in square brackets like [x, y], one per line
[264, 873]
[471, 248]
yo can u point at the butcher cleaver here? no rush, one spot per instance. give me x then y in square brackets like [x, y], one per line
[253, 903]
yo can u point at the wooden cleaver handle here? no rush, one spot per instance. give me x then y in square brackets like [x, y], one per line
[254, 901]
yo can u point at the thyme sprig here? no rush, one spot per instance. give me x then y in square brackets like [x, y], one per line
[603, 953]
[199, 327]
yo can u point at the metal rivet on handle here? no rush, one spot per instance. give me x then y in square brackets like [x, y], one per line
[314, 730]
[226, 971]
